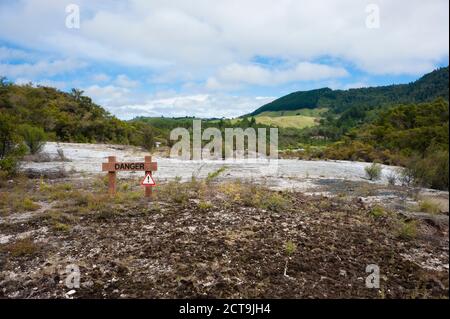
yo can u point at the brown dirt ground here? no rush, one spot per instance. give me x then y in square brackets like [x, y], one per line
[215, 242]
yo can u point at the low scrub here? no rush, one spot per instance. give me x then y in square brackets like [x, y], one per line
[373, 171]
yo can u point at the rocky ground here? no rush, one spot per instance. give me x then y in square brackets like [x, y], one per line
[82, 160]
[224, 238]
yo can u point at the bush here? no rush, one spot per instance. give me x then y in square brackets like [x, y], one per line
[373, 171]
[392, 179]
[34, 137]
[430, 171]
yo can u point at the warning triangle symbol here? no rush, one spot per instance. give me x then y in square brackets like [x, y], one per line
[148, 180]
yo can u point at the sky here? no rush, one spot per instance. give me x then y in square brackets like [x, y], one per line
[221, 58]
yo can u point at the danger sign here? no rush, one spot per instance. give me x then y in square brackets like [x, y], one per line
[148, 181]
[112, 166]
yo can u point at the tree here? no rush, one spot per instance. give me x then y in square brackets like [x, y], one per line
[148, 138]
[11, 147]
[76, 94]
[8, 138]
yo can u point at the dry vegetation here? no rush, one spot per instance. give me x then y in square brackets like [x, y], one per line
[203, 238]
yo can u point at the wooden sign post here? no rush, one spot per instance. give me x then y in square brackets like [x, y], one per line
[112, 166]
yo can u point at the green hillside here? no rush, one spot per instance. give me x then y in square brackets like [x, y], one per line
[427, 88]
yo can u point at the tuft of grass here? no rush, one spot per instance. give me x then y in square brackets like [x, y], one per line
[290, 247]
[274, 202]
[213, 175]
[377, 212]
[373, 171]
[204, 206]
[125, 187]
[61, 227]
[428, 206]
[408, 230]
[20, 248]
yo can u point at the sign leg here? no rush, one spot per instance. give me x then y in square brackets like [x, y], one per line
[148, 189]
[111, 177]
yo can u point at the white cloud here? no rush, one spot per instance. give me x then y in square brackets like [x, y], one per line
[109, 96]
[199, 105]
[412, 38]
[100, 77]
[12, 54]
[126, 104]
[41, 68]
[125, 81]
[235, 74]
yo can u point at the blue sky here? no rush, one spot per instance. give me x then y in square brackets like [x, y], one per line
[217, 58]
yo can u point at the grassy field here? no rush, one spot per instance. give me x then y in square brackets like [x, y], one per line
[318, 112]
[296, 121]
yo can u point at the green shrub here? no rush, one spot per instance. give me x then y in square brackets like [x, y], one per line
[373, 171]
[34, 137]
[274, 202]
[430, 171]
[392, 179]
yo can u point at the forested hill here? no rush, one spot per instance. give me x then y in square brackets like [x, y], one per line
[67, 117]
[429, 87]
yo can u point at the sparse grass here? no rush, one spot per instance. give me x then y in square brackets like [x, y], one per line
[252, 195]
[408, 230]
[428, 206]
[176, 192]
[23, 204]
[80, 198]
[20, 248]
[98, 203]
[60, 217]
[101, 183]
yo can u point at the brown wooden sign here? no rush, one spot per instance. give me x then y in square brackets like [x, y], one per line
[112, 166]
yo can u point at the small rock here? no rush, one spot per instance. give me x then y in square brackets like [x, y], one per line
[70, 293]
